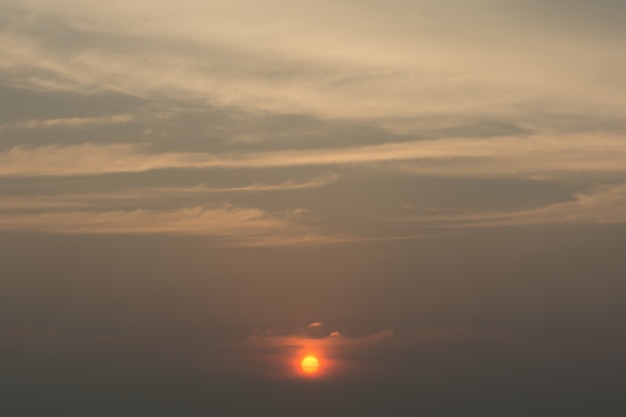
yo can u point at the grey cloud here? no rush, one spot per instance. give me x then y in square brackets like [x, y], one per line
[21, 104]
[315, 330]
[603, 205]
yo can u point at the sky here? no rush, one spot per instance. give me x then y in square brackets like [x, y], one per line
[427, 196]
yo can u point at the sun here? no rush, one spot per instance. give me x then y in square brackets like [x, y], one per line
[310, 364]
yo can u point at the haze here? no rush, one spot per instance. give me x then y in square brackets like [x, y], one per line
[428, 196]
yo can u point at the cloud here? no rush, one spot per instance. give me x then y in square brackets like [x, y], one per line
[343, 344]
[315, 330]
[337, 59]
[290, 184]
[603, 205]
[235, 226]
[69, 122]
[148, 194]
[536, 156]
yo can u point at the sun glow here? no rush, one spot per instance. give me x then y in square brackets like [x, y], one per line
[310, 364]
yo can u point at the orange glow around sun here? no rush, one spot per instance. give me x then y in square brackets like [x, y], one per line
[310, 364]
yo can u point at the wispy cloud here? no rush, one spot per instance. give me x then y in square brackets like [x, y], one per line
[69, 122]
[533, 156]
[148, 194]
[290, 184]
[604, 205]
[236, 226]
[262, 59]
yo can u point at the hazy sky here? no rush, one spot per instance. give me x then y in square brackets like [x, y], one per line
[429, 196]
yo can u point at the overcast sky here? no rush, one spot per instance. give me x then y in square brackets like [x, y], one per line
[429, 196]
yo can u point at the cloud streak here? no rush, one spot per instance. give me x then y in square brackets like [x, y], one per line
[68, 122]
[148, 194]
[236, 226]
[603, 205]
[533, 156]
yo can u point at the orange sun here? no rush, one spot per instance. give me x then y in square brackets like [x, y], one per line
[310, 364]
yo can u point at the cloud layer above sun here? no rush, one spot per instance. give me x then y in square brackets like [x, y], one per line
[118, 111]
